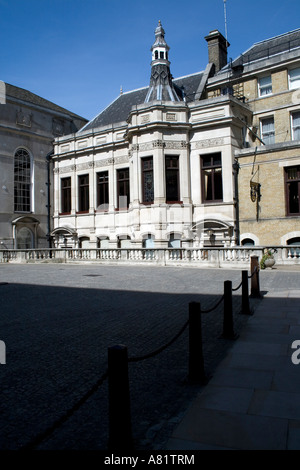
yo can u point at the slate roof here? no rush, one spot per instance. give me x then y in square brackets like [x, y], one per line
[120, 108]
[268, 48]
[29, 97]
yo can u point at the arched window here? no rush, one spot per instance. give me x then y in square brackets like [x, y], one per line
[148, 242]
[294, 252]
[84, 242]
[174, 240]
[22, 181]
[248, 242]
[124, 241]
[103, 242]
[156, 54]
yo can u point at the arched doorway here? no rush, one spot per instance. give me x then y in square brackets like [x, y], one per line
[25, 239]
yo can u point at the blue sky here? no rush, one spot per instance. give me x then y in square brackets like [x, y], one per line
[78, 53]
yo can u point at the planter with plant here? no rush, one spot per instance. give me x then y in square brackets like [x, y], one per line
[268, 259]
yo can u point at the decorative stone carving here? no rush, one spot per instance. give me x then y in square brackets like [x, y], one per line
[171, 117]
[123, 159]
[67, 169]
[23, 119]
[158, 144]
[209, 142]
[173, 144]
[57, 127]
[145, 146]
[105, 162]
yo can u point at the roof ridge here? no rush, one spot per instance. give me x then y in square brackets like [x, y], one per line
[44, 101]
[275, 37]
[189, 75]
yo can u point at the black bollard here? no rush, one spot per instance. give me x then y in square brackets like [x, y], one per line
[196, 361]
[245, 294]
[120, 434]
[228, 318]
[254, 268]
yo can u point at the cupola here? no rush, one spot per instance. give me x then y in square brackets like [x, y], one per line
[161, 86]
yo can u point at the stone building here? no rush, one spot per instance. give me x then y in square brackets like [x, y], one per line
[267, 78]
[28, 126]
[154, 168]
[208, 159]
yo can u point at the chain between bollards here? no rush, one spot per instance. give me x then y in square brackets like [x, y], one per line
[245, 294]
[228, 332]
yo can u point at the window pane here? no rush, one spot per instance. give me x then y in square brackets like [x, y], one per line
[292, 173]
[172, 179]
[268, 131]
[22, 181]
[83, 196]
[102, 190]
[123, 188]
[265, 85]
[208, 194]
[172, 185]
[212, 177]
[218, 184]
[294, 78]
[148, 180]
[66, 195]
[296, 126]
[293, 197]
[293, 189]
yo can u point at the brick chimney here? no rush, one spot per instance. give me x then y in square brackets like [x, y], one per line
[217, 49]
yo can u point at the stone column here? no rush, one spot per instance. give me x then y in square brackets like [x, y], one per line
[159, 169]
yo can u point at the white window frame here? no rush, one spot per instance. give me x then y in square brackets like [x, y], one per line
[294, 81]
[293, 126]
[267, 134]
[31, 178]
[264, 89]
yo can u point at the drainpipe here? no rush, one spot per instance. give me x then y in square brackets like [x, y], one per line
[236, 168]
[48, 183]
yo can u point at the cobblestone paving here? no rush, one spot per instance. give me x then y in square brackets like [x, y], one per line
[57, 322]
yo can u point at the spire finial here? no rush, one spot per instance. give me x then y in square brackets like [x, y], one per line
[121, 90]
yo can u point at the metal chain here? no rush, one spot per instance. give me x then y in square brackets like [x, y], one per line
[255, 269]
[213, 308]
[237, 288]
[154, 353]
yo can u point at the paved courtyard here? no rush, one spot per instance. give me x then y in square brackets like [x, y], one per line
[57, 322]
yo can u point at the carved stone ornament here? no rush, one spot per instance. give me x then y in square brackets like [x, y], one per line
[158, 144]
[209, 142]
[57, 127]
[23, 119]
[173, 144]
[123, 159]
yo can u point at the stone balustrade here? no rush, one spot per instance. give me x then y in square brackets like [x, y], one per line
[207, 257]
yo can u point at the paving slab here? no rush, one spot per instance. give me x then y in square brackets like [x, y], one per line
[232, 430]
[253, 379]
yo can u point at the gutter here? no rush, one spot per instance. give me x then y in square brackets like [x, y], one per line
[48, 183]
